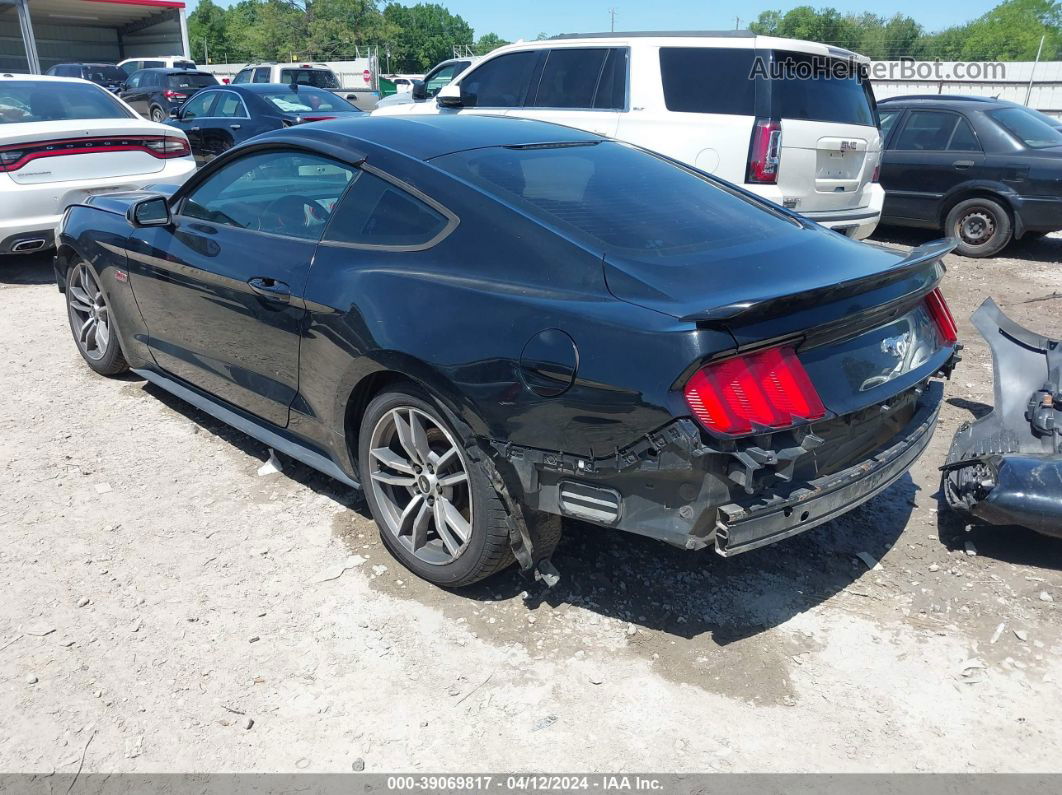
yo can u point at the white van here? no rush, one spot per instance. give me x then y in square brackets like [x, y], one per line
[130, 65]
[792, 121]
[316, 75]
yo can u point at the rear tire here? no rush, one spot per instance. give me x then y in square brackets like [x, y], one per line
[420, 474]
[92, 322]
[157, 114]
[982, 227]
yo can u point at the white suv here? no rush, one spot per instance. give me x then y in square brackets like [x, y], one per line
[316, 75]
[792, 121]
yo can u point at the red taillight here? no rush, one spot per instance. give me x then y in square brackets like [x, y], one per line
[765, 152]
[767, 389]
[175, 96]
[877, 173]
[941, 314]
[12, 158]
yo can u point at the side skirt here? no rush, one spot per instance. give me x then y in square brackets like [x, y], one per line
[250, 426]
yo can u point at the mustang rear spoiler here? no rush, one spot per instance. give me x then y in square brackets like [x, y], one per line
[919, 258]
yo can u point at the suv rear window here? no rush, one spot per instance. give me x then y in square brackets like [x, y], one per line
[708, 80]
[191, 80]
[810, 92]
[618, 196]
[39, 101]
[318, 78]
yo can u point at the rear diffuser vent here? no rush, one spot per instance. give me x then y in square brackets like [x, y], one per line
[591, 503]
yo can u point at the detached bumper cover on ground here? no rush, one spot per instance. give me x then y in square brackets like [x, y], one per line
[1006, 468]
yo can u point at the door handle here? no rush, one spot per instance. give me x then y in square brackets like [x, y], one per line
[193, 129]
[270, 288]
[963, 163]
[234, 126]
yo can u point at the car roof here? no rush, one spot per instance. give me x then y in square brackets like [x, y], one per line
[84, 63]
[40, 78]
[952, 100]
[429, 136]
[169, 70]
[262, 88]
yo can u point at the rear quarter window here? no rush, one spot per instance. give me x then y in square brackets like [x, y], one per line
[377, 213]
[708, 80]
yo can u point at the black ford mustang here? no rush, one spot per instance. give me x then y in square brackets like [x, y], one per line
[492, 323]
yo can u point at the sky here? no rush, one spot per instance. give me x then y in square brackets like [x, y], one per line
[528, 18]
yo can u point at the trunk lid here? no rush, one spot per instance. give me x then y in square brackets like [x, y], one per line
[825, 166]
[87, 165]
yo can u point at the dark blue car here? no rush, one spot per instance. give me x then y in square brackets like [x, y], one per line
[217, 119]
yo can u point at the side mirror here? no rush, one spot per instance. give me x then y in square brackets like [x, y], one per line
[175, 113]
[123, 86]
[419, 90]
[450, 97]
[152, 211]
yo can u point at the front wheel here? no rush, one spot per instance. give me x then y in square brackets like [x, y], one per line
[92, 321]
[433, 501]
[981, 226]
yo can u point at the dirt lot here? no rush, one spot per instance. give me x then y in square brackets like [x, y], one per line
[158, 593]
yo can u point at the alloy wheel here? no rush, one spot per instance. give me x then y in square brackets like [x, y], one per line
[90, 317]
[419, 478]
[977, 227]
[156, 115]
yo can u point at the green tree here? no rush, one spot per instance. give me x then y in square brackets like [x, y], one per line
[424, 35]
[488, 42]
[333, 27]
[1012, 30]
[207, 32]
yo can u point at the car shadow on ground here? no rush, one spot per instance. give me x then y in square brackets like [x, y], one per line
[656, 586]
[651, 584]
[28, 269]
[1033, 249]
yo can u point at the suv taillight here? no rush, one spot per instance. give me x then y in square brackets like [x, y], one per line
[768, 389]
[174, 96]
[941, 314]
[765, 152]
[877, 174]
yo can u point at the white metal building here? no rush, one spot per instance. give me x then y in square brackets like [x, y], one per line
[37, 34]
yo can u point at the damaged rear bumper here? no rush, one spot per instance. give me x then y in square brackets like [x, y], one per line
[675, 487]
[1006, 468]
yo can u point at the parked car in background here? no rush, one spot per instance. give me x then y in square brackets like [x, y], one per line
[491, 323]
[218, 118]
[420, 90]
[154, 93]
[102, 74]
[316, 75]
[732, 104]
[63, 140]
[131, 65]
[985, 172]
[1053, 121]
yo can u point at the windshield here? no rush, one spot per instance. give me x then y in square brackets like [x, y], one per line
[811, 88]
[618, 196]
[104, 74]
[1031, 131]
[308, 100]
[24, 101]
[321, 78]
[194, 80]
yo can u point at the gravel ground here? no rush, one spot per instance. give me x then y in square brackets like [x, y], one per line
[165, 608]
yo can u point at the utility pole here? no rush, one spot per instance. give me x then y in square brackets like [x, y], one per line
[612, 14]
[737, 23]
[1032, 74]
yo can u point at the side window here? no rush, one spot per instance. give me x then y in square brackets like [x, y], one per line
[152, 65]
[229, 106]
[261, 74]
[132, 66]
[283, 193]
[441, 78]
[243, 76]
[963, 139]
[376, 212]
[888, 120]
[199, 106]
[501, 82]
[134, 81]
[612, 88]
[926, 131]
[570, 77]
[708, 80]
